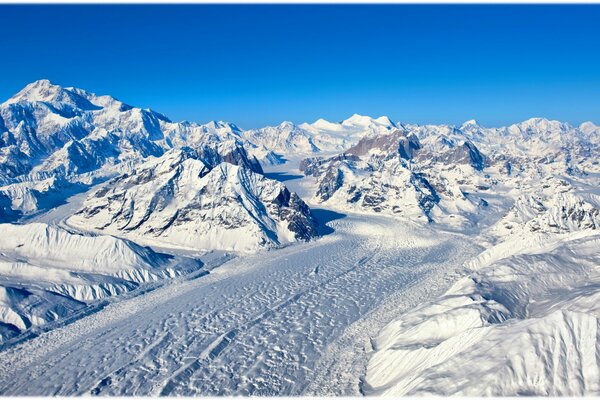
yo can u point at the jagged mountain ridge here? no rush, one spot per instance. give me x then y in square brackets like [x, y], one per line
[52, 137]
[449, 172]
[178, 200]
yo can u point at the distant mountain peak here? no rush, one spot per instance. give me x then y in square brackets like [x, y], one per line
[357, 119]
[287, 124]
[470, 122]
[365, 120]
[325, 125]
[384, 120]
[40, 90]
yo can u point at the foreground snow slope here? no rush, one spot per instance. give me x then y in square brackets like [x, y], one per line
[525, 322]
[292, 321]
[46, 272]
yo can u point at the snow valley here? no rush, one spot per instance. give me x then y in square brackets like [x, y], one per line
[144, 256]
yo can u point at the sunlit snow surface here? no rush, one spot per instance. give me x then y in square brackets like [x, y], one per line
[448, 260]
[291, 321]
[524, 323]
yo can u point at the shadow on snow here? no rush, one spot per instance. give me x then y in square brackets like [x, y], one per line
[325, 216]
[282, 176]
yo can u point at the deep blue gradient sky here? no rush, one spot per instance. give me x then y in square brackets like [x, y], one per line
[261, 64]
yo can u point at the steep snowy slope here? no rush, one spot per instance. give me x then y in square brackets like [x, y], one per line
[524, 324]
[177, 200]
[46, 272]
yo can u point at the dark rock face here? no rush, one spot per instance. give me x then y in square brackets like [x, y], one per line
[16, 163]
[331, 182]
[577, 215]
[315, 166]
[238, 156]
[408, 145]
[469, 154]
[291, 208]
[7, 214]
[465, 153]
[428, 197]
[373, 200]
[310, 166]
[398, 141]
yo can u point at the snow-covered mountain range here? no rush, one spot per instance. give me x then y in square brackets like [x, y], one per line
[180, 185]
[454, 175]
[99, 199]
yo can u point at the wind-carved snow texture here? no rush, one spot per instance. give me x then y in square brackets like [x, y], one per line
[49, 273]
[429, 259]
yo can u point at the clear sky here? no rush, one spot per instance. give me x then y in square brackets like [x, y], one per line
[261, 64]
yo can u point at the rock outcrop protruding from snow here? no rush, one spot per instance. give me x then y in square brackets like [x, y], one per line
[464, 177]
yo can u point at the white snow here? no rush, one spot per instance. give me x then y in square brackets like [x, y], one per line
[258, 325]
[47, 272]
[177, 201]
[524, 322]
[450, 260]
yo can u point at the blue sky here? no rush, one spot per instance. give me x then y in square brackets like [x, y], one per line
[261, 64]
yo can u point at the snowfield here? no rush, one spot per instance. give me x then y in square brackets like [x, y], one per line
[47, 272]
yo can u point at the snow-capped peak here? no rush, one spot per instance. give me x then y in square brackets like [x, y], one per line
[541, 125]
[588, 127]
[40, 90]
[44, 91]
[470, 123]
[364, 120]
[287, 125]
[324, 125]
[383, 120]
[221, 125]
